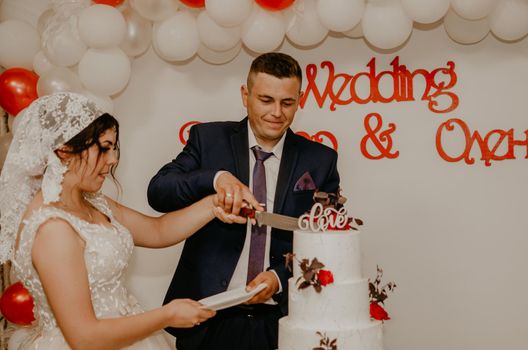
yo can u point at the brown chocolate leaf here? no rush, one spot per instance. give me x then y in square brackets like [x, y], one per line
[316, 264]
[305, 284]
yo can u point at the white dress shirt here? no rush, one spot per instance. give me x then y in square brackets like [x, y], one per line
[271, 165]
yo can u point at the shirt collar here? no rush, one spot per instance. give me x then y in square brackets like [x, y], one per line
[277, 149]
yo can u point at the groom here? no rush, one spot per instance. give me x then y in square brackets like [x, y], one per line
[256, 160]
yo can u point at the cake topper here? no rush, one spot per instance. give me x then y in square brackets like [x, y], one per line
[327, 213]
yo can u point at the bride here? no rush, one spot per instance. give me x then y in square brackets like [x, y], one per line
[70, 244]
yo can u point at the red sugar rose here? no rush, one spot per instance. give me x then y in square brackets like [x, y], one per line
[325, 277]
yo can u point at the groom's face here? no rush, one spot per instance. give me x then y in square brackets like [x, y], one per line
[271, 104]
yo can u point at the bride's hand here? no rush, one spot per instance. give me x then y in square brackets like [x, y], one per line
[187, 313]
[222, 215]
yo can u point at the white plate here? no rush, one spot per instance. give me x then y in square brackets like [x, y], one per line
[230, 298]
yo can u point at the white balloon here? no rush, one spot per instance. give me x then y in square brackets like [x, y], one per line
[102, 26]
[214, 36]
[304, 26]
[19, 43]
[105, 71]
[340, 15]
[155, 10]
[62, 45]
[44, 20]
[41, 64]
[263, 31]
[138, 35]
[104, 103]
[58, 79]
[386, 25]
[218, 57]
[355, 33]
[24, 10]
[509, 19]
[463, 30]
[473, 9]
[229, 13]
[176, 38]
[425, 11]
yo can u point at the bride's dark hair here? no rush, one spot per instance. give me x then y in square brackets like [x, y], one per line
[90, 136]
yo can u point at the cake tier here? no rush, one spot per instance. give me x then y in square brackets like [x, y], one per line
[339, 251]
[338, 304]
[294, 336]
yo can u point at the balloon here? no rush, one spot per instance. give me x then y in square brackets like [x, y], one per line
[386, 25]
[102, 26]
[106, 71]
[176, 38]
[463, 30]
[509, 19]
[340, 15]
[274, 5]
[194, 3]
[229, 13]
[473, 9]
[19, 42]
[263, 31]
[18, 88]
[155, 10]
[17, 305]
[113, 3]
[23, 10]
[104, 103]
[425, 11]
[41, 63]
[58, 79]
[5, 141]
[214, 36]
[304, 26]
[63, 45]
[44, 20]
[138, 34]
[218, 57]
[355, 33]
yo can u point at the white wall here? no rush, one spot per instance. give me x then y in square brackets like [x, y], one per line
[451, 235]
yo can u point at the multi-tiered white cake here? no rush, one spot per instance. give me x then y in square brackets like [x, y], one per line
[336, 314]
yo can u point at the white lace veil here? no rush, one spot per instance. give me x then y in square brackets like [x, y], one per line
[31, 163]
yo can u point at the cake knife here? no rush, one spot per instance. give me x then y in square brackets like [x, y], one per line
[282, 222]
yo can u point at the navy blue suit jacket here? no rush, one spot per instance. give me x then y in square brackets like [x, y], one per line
[210, 256]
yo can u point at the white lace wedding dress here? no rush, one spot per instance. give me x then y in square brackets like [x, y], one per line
[107, 251]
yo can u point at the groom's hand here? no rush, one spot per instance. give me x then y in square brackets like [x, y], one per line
[270, 279]
[231, 194]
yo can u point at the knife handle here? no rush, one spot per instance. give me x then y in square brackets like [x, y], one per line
[247, 212]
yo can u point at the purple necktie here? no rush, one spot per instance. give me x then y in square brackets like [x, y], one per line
[257, 246]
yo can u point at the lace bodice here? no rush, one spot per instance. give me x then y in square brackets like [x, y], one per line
[106, 255]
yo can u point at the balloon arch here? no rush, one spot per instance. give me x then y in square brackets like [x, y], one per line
[87, 46]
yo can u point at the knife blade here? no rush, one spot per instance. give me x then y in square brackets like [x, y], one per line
[279, 221]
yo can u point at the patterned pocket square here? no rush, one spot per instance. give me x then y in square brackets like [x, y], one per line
[304, 183]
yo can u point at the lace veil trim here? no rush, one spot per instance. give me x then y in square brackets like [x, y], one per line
[31, 163]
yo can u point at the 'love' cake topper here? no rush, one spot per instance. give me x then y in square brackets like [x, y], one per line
[328, 213]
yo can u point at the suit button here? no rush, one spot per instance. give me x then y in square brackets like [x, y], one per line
[224, 283]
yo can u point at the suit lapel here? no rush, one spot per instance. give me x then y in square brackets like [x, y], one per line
[287, 165]
[240, 148]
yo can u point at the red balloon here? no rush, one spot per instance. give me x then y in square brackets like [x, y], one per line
[198, 4]
[18, 88]
[16, 304]
[113, 3]
[275, 5]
